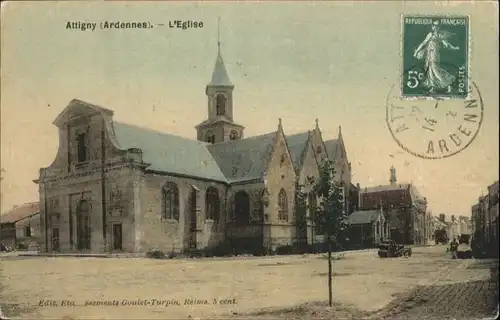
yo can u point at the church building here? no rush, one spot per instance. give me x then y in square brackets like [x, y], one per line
[117, 187]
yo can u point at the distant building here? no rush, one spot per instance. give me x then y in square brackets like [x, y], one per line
[493, 207]
[437, 223]
[452, 228]
[405, 207]
[20, 226]
[368, 227]
[485, 220]
[442, 217]
[483, 214]
[464, 225]
[428, 231]
[476, 221]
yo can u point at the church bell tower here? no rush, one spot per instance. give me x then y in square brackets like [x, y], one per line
[219, 127]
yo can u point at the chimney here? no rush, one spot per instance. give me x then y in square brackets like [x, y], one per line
[442, 217]
[359, 195]
[393, 179]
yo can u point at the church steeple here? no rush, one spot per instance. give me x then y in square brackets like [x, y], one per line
[219, 126]
[219, 75]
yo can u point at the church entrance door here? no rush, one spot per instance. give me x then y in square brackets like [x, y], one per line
[117, 236]
[83, 227]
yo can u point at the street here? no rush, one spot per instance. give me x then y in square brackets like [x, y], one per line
[429, 285]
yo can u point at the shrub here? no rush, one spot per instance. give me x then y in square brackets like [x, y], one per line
[156, 254]
[283, 250]
[22, 246]
[220, 250]
[172, 255]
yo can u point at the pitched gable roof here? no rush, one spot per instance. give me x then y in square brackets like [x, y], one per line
[20, 212]
[384, 188]
[297, 145]
[415, 196]
[76, 105]
[363, 216]
[169, 153]
[245, 159]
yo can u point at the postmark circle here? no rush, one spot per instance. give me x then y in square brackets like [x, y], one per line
[433, 126]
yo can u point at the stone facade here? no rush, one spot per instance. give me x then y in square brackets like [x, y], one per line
[114, 187]
[485, 218]
[405, 206]
[20, 226]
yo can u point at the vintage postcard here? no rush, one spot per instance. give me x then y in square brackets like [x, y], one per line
[249, 160]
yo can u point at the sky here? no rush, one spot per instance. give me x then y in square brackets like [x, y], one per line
[292, 60]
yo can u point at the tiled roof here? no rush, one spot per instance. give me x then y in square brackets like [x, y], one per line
[414, 194]
[385, 188]
[20, 212]
[231, 161]
[245, 159]
[169, 153]
[297, 146]
[363, 216]
[217, 120]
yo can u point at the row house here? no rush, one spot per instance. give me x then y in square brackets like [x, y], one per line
[485, 217]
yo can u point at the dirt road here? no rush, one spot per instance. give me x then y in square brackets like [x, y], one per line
[97, 288]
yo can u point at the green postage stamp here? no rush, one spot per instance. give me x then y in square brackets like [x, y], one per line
[435, 52]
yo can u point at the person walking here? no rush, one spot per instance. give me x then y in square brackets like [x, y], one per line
[454, 248]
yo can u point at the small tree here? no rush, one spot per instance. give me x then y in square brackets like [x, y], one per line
[329, 212]
[301, 212]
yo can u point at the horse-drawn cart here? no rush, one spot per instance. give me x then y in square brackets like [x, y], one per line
[390, 249]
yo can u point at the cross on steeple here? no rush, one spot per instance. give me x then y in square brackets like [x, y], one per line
[219, 75]
[218, 34]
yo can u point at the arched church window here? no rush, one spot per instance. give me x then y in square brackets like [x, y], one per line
[318, 149]
[170, 199]
[210, 137]
[241, 208]
[282, 206]
[282, 160]
[212, 204]
[233, 135]
[221, 105]
[378, 227]
[81, 142]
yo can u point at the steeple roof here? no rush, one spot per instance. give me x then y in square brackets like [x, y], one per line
[219, 76]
